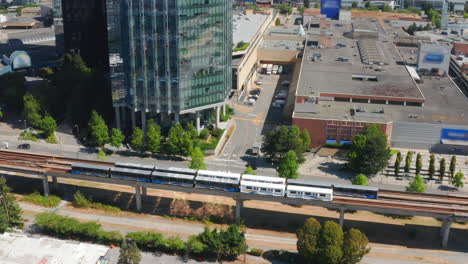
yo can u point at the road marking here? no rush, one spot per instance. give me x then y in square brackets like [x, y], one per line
[255, 120]
[254, 115]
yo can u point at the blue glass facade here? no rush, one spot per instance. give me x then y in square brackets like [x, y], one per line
[331, 8]
[169, 55]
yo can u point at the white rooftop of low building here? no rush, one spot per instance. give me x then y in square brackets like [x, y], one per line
[246, 26]
[18, 248]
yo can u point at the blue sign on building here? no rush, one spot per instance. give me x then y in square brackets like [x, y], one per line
[330, 8]
[454, 136]
[434, 58]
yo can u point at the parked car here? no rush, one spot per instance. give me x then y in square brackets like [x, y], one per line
[286, 83]
[280, 102]
[255, 97]
[275, 105]
[281, 96]
[4, 145]
[256, 91]
[258, 82]
[24, 146]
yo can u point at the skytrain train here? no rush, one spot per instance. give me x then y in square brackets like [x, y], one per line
[226, 181]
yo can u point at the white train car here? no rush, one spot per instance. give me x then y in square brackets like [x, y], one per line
[218, 180]
[262, 185]
[304, 192]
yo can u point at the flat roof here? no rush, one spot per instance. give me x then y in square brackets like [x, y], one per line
[246, 26]
[332, 75]
[444, 104]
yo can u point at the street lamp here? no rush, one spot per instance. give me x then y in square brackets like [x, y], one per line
[78, 137]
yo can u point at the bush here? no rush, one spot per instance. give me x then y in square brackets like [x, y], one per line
[79, 200]
[173, 245]
[217, 132]
[28, 136]
[204, 133]
[146, 240]
[46, 201]
[256, 252]
[194, 246]
[51, 139]
[66, 227]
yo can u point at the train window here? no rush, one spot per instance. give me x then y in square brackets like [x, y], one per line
[277, 190]
[249, 187]
[292, 192]
[307, 193]
[263, 189]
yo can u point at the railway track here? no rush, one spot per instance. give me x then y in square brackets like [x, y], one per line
[448, 199]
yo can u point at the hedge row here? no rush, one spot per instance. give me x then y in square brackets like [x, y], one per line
[202, 244]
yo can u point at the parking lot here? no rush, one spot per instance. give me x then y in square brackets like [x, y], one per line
[257, 112]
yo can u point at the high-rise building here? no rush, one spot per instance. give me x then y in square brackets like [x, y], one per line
[168, 58]
[85, 30]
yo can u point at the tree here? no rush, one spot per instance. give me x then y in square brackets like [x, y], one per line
[10, 212]
[307, 239]
[409, 158]
[457, 180]
[222, 244]
[317, 4]
[233, 241]
[305, 136]
[179, 142]
[418, 163]
[197, 162]
[354, 4]
[386, 8]
[153, 137]
[360, 179]
[32, 110]
[48, 125]
[330, 243]
[116, 138]
[129, 253]
[278, 142]
[99, 132]
[13, 89]
[417, 185]
[250, 171]
[432, 166]
[369, 152]
[397, 164]
[45, 72]
[306, 3]
[453, 166]
[288, 166]
[277, 22]
[354, 246]
[1, 113]
[442, 169]
[137, 140]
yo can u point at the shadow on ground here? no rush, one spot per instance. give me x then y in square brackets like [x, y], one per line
[409, 235]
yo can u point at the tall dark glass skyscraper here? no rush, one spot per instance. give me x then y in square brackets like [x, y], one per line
[169, 57]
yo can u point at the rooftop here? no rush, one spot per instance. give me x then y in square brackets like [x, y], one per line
[246, 26]
[334, 71]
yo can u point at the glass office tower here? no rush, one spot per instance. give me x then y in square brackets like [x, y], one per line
[169, 56]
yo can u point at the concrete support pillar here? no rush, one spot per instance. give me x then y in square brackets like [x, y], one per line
[45, 185]
[239, 205]
[217, 116]
[143, 120]
[138, 198]
[117, 117]
[55, 183]
[197, 115]
[176, 118]
[224, 109]
[341, 221]
[351, 100]
[404, 103]
[368, 101]
[445, 231]
[386, 101]
[144, 191]
[133, 119]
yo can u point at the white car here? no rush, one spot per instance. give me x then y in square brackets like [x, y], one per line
[259, 82]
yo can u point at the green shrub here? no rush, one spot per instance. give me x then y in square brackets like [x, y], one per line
[105, 207]
[217, 132]
[194, 246]
[173, 245]
[79, 200]
[146, 240]
[66, 227]
[204, 133]
[46, 201]
[28, 136]
[51, 139]
[256, 252]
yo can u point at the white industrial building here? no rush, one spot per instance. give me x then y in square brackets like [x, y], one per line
[433, 57]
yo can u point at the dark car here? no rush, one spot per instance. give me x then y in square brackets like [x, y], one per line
[256, 92]
[24, 146]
